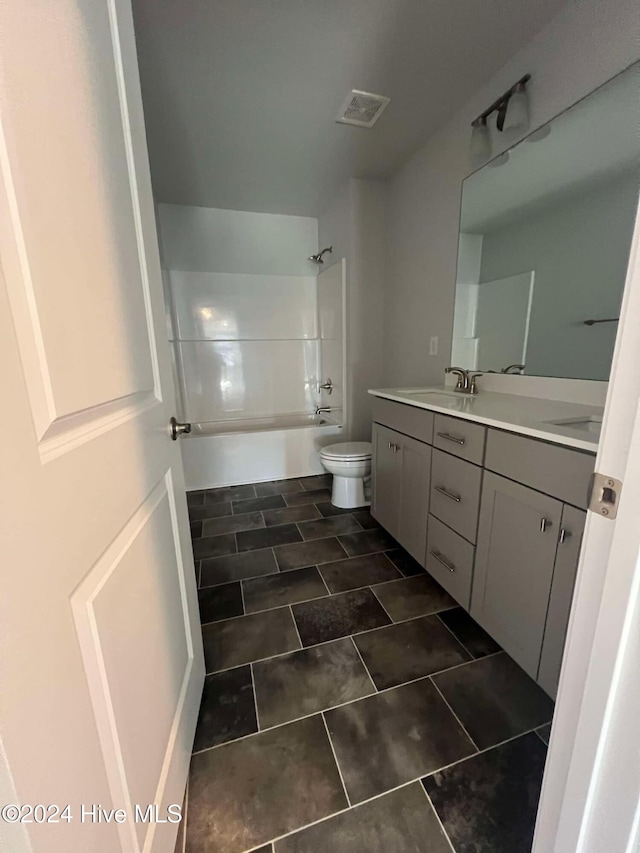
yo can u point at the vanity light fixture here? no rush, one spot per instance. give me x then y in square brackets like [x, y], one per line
[501, 160]
[517, 112]
[512, 108]
[480, 142]
[540, 134]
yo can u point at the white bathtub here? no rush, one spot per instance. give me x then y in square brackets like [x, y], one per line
[229, 453]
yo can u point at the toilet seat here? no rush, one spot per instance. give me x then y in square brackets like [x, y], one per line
[347, 451]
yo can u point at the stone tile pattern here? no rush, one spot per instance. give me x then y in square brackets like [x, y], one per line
[329, 651]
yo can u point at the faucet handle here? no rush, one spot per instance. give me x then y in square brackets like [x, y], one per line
[473, 388]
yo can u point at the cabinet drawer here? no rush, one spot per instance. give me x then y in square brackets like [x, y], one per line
[450, 561]
[418, 423]
[549, 468]
[455, 493]
[462, 438]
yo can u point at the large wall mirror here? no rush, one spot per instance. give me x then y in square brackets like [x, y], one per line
[545, 234]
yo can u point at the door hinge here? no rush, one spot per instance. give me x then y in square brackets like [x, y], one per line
[604, 495]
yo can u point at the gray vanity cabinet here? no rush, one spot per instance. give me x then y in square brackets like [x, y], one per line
[564, 578]
[495, 517]
[400, 500]
[387, 476]
[515, 557]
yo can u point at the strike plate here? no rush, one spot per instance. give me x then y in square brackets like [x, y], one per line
[604, 495]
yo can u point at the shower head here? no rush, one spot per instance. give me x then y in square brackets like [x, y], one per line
[318, 258]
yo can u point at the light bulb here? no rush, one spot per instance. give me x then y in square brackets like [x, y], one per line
[480, 148]
[517, 117]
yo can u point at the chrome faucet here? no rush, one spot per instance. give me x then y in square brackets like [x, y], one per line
[513, 368]
[466, 383]
[321, 410]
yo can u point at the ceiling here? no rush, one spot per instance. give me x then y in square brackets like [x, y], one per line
[592, 143]
[241, 96]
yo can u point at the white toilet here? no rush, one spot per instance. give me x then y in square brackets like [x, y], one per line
[350, 464]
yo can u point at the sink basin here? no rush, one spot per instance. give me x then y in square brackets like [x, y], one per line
[448, 399]
[589, 423]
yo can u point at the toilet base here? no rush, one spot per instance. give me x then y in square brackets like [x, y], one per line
[348, 492]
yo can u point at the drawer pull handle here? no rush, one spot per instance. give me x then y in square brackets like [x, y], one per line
[438, 556]
[460, 441]
[544, 524]
[447, 494]
[564, 535]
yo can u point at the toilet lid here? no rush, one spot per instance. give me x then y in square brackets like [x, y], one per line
[347, 450]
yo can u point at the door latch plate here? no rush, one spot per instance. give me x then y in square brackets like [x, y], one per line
[604, 495]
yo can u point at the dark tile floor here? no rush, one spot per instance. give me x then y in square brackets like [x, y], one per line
[350, 705]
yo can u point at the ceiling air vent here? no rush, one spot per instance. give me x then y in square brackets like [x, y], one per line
[362, 108]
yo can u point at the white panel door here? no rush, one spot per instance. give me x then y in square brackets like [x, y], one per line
[100, 650]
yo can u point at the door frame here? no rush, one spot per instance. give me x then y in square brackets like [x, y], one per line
[587, 795]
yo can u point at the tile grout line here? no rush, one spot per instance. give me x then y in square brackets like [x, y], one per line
[338, 813]
[255, 698]
[335, 758]
[413, 781]
[309, 541]
[244, 609]
[434, 810]
[344, 636]
[457, 718]
[455, 637]
[479, 752]
[332, 707]
[295, 625]
[392, 621]
[318, 567]
[537, 731]
[332, 595]
[364, 665]
[323, 581]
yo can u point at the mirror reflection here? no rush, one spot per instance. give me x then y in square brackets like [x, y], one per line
[545, 234]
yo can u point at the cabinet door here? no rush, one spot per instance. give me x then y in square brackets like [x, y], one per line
[387, 473]
[564, 578]
[414, 497]
[514, 566]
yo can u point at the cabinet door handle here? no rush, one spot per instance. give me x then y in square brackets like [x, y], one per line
[394, 447]
[564, 535]
[438, 556]
[544, 523]
[447, 494]
[452, 438]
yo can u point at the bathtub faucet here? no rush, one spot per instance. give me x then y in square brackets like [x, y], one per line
[321, 410]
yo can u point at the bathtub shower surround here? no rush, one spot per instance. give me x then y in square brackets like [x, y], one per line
[247, 345]
[255, 332]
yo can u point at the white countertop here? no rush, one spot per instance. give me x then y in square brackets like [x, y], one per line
[524, 415]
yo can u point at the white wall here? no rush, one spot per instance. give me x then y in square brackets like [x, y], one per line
[578, 246]
[585, 45]
[355, 224]
[205, 239]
